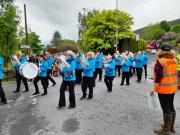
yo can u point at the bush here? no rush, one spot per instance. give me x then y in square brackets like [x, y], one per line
[142, 45]
[176, 28]
[178, 41]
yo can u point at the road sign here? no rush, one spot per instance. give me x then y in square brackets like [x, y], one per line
[25, 46]
[137, 37]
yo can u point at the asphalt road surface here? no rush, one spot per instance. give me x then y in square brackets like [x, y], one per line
[123, 112]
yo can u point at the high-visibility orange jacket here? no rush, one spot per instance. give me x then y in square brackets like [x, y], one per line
[168, 84]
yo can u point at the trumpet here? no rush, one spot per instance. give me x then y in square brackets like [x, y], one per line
[14, 59]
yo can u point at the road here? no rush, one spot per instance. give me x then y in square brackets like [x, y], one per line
[123, 112]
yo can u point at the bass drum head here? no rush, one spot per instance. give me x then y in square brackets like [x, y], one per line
[30, 70]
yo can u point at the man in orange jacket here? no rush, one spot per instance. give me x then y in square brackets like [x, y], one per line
[165, 84]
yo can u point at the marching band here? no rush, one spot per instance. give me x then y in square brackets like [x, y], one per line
[75, 69]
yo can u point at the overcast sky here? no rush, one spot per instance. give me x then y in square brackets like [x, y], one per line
[46, 16]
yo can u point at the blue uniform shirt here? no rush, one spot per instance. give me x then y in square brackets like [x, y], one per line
[118, 60]
[78, 63]
[110, 70]
[50, 62]
[99, 61]
[69, 73]
[43, 68]
[1, 67]
[126, 66]
[89, 69]
[131, 59]
[146, 59]
[139, 62]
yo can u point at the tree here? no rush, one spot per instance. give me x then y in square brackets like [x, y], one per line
[9, 21]
[56, 39]
[34, 42]
[158, 34]
[176, 28]
[165, 26]
[101, 29]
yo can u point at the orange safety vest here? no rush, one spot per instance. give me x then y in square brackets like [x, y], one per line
[168, 84]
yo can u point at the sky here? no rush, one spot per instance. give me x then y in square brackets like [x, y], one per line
[46, 16]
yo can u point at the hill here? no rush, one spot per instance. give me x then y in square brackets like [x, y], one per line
[174, 22]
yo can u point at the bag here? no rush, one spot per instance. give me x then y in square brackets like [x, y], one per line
[153, 102]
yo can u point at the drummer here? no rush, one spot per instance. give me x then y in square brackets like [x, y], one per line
[22, 59]
[43, 67]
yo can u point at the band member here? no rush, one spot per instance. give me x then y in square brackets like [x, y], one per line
[43, 67]
[145, 62]
[131, 59]
[118, 61]
[69, 79]
[139, 66]
[88, 77]
[79, 69]
[23, 59]
[165, 84]
[109, 73]
[2, 94]
[99, 65]
[50, 60]
[125, 70]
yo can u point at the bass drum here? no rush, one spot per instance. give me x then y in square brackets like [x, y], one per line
[28, 70]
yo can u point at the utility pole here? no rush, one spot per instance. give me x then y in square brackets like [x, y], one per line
[25, 19]
[116, 25]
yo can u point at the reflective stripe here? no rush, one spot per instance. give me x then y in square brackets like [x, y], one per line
[168, 84]
[165, 75]
[171, 75]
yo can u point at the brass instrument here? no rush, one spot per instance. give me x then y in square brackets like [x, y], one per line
[63, 63]
[83, 61]
[14, 59]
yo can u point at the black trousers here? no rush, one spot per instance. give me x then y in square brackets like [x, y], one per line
[109, 82]
[2, 94]
[133, 70]
[118, 68]
[145, 70]
[62, 100]
[19, 78]
[125, 75]
[44, 82]
[88, 82]
[49, 73]
[99, 72]
[139, 74]
[167, 103]
[79, 76]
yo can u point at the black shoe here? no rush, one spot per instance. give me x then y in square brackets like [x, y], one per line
[60, 107]
[83, 97]
[35, 93]
[71, 107]
[54, 84]
[90, 98]
[16, 91]
[4, 103]
[109, 91]
[43, 94]
[121, 84]
[25, 91]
